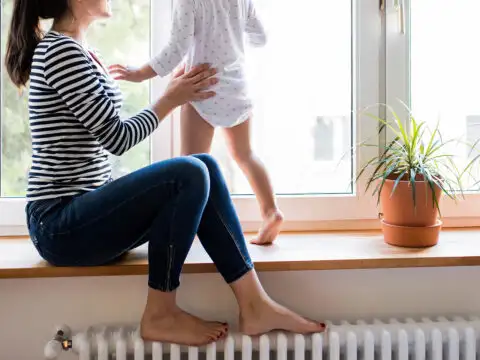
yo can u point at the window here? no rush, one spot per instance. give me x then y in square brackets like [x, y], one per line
[435, 70]
[133, 23]
[321, 64]
[15, 137]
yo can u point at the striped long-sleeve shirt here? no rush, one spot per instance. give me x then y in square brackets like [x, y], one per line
[74, 120]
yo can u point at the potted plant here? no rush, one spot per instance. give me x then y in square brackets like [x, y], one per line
[409, 177]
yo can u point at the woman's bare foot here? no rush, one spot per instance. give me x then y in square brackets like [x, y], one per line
[270, 228]
[179, 327]
[267, 315]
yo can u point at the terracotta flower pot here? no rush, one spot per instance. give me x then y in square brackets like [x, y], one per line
[404, 224]
[411, 236]
[398, 209]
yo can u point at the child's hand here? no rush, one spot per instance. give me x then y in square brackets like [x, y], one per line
[127, 73]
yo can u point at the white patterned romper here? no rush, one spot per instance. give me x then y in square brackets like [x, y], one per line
[214, 32]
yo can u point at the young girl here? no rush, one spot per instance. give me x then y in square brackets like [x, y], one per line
[213, 31]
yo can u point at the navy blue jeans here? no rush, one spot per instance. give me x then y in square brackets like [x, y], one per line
[165, 204]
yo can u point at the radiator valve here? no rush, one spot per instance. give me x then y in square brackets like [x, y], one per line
[62, 341]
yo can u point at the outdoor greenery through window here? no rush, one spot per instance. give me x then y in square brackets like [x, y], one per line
[125, 38]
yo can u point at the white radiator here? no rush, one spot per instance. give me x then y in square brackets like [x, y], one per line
[426, 339]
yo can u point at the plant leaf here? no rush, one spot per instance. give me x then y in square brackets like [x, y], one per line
[412, 183]
[397, 181]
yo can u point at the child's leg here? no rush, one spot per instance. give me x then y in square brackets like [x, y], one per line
[196, 133]
[238, 140]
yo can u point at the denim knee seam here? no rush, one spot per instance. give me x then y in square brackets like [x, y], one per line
[171, 246]
[170, 258]
[224, 223]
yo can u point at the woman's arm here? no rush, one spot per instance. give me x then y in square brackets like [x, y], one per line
[69, 71]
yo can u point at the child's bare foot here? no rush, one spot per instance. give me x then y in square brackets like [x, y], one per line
[267, 315]
[181, 328]
[270, 228]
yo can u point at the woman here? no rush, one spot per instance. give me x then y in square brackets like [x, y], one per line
[78, 216]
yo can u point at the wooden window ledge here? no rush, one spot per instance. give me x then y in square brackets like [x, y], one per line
[291, 251]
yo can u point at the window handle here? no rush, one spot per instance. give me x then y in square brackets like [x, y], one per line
[399, 6]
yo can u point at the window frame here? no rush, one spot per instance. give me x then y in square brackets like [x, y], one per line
[316, 212]
[464, 212]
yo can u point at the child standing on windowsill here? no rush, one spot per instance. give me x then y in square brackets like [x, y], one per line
[213, 31]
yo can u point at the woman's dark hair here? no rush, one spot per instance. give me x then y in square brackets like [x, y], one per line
[25, 34]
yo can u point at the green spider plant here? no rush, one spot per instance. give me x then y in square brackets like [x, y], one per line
[416, 153]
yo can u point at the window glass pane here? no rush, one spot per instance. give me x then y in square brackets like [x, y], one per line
[301, 83]
[15, 135]
[445, 70]
[125, 38]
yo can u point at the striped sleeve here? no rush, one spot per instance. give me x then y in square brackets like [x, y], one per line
[69, 71]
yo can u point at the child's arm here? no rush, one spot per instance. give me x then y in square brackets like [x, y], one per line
[121, 72]
[254, 27]
[181, 38]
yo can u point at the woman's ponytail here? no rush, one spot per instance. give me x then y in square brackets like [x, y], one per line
[23, 38]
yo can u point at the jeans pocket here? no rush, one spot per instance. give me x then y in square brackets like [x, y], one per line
[41, 216]
[38, 209]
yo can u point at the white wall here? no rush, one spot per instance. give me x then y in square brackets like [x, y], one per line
[30, 308]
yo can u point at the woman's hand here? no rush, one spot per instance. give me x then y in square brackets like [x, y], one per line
[190, 86]
[185, 87]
